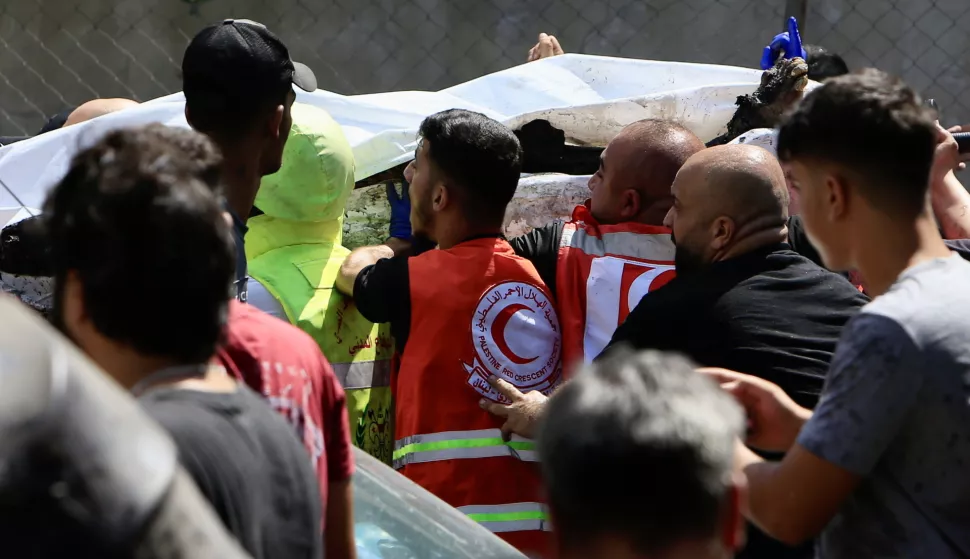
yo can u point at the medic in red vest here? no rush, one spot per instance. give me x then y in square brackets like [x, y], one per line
[615, 248]
[462, 313]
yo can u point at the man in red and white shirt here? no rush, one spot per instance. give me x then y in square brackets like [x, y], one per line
[615, 248]
[286, 366]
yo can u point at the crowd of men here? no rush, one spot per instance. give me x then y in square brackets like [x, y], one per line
[547, 386]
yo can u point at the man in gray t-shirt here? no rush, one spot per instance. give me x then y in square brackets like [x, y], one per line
[895, 412]
[881, 468]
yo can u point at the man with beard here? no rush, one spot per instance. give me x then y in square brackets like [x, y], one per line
[461, 314]
[741, 295]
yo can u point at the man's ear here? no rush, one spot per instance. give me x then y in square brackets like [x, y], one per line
[733, 526]
[73, 314]
[631, 205]
[275, 123]
[836, 197]
[722, 232]
[440, 197]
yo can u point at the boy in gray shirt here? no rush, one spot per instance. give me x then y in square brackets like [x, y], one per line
[880, 468]
[894, 412]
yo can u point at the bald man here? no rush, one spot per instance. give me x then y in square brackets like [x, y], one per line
[97, 108]
[615, 248]
[87, 111]
[742, 299]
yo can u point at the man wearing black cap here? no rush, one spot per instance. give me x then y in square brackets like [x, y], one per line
[238, 81]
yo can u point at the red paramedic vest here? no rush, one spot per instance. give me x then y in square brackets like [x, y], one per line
[601, 274]
[477, 310]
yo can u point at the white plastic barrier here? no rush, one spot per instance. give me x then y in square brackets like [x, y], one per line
[590, 97]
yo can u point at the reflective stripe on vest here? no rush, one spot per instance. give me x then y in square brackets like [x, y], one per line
[363, 374]
[514, 517]
[456, 445]
[602, 273]
[625, 244]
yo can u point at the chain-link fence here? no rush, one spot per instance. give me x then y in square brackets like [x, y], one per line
[55, 54]
[925, 42]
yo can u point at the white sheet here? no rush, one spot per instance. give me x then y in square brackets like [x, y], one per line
[590, 97]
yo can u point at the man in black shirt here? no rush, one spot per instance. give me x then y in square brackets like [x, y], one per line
[132, 212]
[741, 295]
[742, 299]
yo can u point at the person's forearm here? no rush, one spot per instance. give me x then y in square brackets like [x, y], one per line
[762, 498]
[777, 502]
[951, 205]
[363, 257]
[799, 418]
[339, 537]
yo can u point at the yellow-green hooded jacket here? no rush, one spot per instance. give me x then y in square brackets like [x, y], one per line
[294, 250]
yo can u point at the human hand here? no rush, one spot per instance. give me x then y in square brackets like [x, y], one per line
[522, 414]
[400, 211]
[547, 47]
[790, 42]
[774, 420]
[948, 150]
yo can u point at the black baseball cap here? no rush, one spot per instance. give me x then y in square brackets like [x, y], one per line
[241, 60]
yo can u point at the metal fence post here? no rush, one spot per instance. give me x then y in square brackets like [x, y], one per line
[799, 10]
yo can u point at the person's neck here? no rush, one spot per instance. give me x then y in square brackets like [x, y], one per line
[454, 235]
[241, 177]
[653, 215]
[885, 251]
[754, 235]
[128, 367]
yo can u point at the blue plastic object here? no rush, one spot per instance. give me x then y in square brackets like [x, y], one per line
[789, 42]
[400, 211]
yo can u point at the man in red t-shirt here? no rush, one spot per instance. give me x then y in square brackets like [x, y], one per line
[286, 366]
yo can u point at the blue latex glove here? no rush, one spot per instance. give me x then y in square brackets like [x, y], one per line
[400, 211]
[790, 41]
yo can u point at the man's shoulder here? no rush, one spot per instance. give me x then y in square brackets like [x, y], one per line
[256, 340]
[250, 328]
[790, 290]
[681, 299]
[540, 240]
[928, 297]
[228, 425]
[187, 415]
[785, 265]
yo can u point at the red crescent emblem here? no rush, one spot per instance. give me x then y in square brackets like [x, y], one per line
[498, 333]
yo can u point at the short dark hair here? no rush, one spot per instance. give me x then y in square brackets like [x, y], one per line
[479, 155]
[874, 125]
[651, 415]
[823, 64]
[137, 218]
